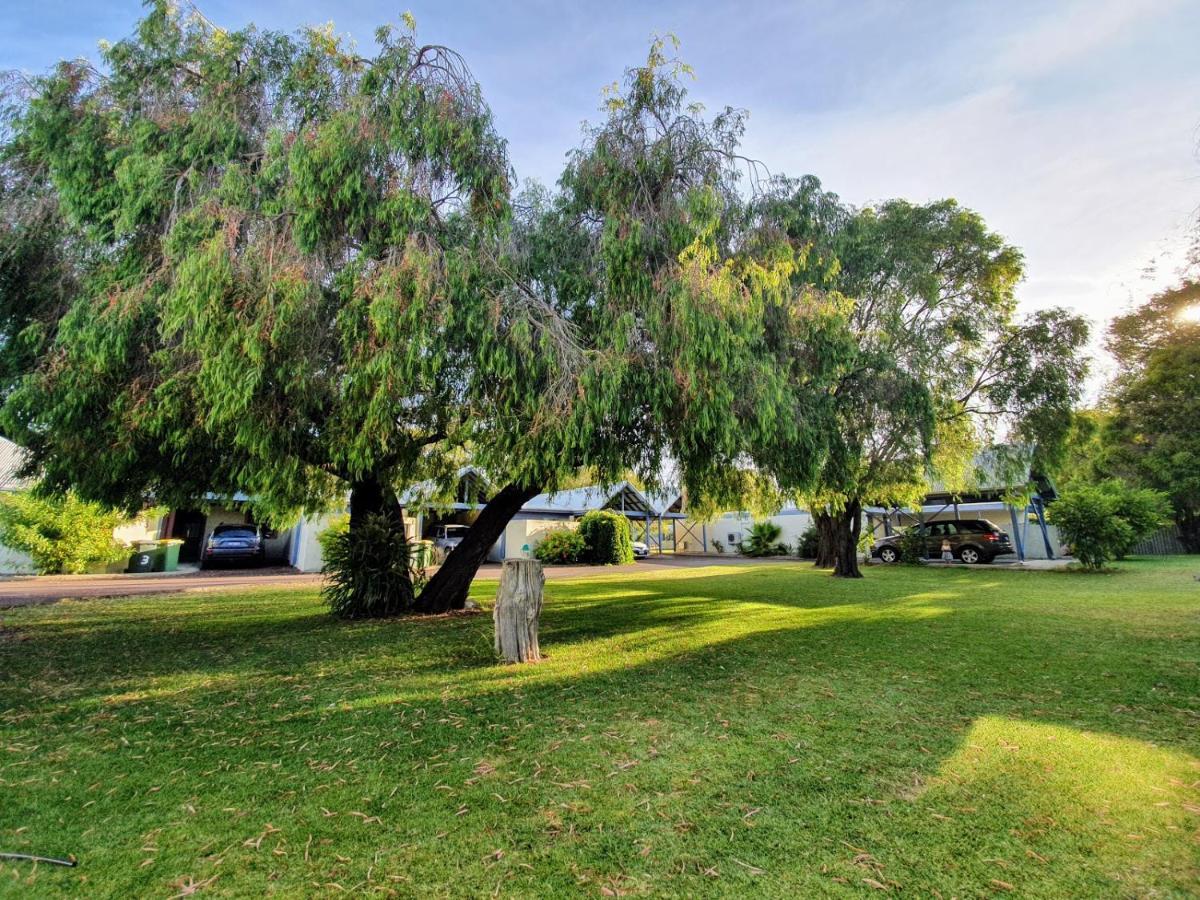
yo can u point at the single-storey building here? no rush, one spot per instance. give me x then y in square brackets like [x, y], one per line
[652, 518]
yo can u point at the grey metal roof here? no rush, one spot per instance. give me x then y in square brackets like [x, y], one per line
[577, 501]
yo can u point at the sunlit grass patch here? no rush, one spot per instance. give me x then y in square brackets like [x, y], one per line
[718, 731]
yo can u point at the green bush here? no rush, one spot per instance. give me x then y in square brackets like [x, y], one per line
[1104, 521]
[807, 548]
[911, 547]
[763, 540]
[368, 571]
[1088, 519]
[1143, 510]
[561, 546]
[60, 534]
[606, 534]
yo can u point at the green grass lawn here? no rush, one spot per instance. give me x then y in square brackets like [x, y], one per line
[716, 731]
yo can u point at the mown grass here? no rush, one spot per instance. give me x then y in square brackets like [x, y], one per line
[715, 731]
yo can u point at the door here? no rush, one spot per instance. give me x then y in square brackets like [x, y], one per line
[189, 528]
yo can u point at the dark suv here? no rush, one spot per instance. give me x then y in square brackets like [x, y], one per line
[971, 540]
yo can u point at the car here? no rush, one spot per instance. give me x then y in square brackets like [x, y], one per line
[640, 550]
[233, 543]
[971, 540]
[447, 537]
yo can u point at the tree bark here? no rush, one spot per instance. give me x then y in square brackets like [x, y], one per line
[1188, 523]
[517, 610]
[849, 527]
[371, 496]
[826, 541]
[448, 587]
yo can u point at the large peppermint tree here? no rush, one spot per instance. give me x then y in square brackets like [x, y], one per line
[274, 251]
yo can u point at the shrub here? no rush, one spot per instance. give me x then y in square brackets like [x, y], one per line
[368, 571]
[606, 534]
[911, 547]
[561, 546]
[1104, 521]
[807, 548]
[763, 540]
[60, 534]
[1142, 509]
[1088, 518]
[719, 546]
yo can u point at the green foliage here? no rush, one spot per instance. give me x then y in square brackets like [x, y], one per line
[60, 534]
[807, 546]
[367, 569]
[274, 249]
[718, 545]
[1088, 518]
[606, 535]
[762, 539]
[912, 547]
[1105, 521]
[935, 364]
[1152, 438]
[561, 546]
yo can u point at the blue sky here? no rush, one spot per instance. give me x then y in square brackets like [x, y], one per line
[1071, 126]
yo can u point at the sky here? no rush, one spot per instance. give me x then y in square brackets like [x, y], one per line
[1072, 127]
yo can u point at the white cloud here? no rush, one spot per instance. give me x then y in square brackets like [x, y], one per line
[1092, 187]
[1062, 37]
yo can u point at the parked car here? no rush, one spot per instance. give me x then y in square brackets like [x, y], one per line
[234, 544]
[447, 537]
[971, 540]
[640, 550]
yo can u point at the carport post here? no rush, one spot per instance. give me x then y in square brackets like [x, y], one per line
[1012, 513]
[1040, 506]
[660, 536]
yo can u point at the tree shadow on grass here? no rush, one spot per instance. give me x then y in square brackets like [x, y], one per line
[714, 719]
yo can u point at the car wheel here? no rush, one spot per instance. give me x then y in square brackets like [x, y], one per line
[970, 555]
[888, 555]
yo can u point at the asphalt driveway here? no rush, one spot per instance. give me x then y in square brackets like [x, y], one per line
[30, 590]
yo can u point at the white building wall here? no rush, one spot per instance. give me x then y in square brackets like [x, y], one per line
[732, 527]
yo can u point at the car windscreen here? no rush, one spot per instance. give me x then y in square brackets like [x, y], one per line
[238, 531]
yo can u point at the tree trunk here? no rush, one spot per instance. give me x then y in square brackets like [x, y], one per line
[1188, 523]
[517, 610]
[849, 527]
[448, 587]
[826, 541]
[371, 496]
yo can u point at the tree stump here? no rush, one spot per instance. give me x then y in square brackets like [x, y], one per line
[518, 607]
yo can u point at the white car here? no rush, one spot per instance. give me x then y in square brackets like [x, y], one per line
[640, 550]
[447, 537]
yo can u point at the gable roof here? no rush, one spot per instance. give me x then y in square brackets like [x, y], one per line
[577, 501]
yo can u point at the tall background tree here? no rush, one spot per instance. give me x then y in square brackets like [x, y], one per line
[941, 365]
[1152, 437]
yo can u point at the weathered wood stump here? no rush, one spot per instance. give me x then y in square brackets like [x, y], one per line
[518, 607]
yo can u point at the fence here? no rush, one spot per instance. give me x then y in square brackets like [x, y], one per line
[1164, 542]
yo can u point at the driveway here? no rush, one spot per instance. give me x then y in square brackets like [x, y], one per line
[30, 590]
